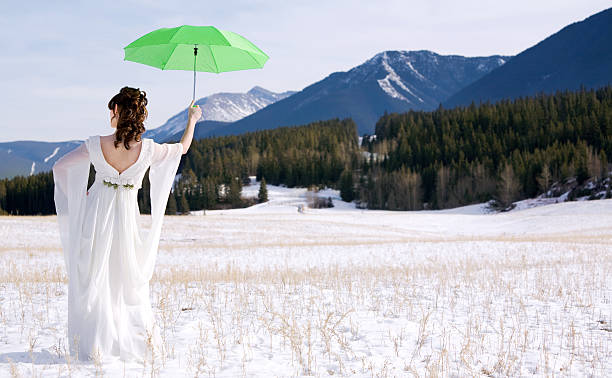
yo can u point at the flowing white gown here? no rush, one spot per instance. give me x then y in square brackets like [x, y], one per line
[109, 259]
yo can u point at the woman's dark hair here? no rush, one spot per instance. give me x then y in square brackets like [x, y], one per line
[131, 105]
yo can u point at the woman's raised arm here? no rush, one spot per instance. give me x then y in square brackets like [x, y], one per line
[194, 115]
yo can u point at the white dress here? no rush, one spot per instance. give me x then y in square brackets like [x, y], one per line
[109, 260]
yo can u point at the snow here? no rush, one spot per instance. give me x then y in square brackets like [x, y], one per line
[386, 83]
[224, 107]
[368, 155]
[417, 73]
[32, 168]
[269, 291]
[52, 155]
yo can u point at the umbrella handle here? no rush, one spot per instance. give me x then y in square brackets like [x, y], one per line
[195, 55]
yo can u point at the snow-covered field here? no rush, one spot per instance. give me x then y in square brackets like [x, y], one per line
[269, 291]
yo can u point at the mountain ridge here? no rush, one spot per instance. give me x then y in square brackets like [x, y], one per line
[562, 61]
[392, 80]
[219, 107]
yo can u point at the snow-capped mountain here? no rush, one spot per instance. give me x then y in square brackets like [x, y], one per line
[396, 81]
[220, 107]
[421, 78]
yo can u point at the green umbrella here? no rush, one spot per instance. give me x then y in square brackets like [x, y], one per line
[197, 48]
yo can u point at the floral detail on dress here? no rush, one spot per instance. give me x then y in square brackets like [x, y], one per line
[116, 182]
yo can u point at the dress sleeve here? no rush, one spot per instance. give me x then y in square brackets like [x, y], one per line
[70, 176]
[164, 164]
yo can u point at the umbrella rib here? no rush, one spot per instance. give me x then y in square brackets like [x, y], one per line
[169, 56]
[213, 56]
[252, 57]
[175, 33]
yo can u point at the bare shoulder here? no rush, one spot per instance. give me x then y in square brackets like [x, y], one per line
[106, 139]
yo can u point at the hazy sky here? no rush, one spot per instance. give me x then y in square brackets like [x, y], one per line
[62, 61]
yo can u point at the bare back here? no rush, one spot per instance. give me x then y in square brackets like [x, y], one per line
[119, 158]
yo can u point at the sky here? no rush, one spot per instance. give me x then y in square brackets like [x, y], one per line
[62, 61]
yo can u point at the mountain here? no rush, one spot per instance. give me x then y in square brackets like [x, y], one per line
[395, 81]
[579, 54]
[29, 157]
[218, 110]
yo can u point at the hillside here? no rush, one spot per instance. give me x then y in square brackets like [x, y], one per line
[393, 81]
[578, 55]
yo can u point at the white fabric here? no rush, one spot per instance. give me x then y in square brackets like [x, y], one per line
[109, 260]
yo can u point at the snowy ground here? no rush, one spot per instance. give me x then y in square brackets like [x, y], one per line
[268, 291]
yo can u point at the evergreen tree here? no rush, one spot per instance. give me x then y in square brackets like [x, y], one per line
[183, 205]
[235, 190]
[347, 190]
[262, 196]
[209, 193]
[171, 206]
[582, 170]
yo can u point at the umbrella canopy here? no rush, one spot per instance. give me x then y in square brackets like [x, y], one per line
[197, 48]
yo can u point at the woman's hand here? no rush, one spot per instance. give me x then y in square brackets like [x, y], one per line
[195, 113]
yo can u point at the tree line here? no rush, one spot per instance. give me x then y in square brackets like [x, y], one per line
[445, 158]
[215, 169]
[505, 151]
[213, 172]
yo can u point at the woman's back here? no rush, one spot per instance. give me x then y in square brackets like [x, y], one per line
[109, 260]
[119, 157]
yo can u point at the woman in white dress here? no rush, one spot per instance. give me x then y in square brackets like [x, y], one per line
[109, 259]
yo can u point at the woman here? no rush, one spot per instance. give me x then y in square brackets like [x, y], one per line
[109, 260]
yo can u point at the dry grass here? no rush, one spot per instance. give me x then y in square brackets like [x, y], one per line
[504, 305]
